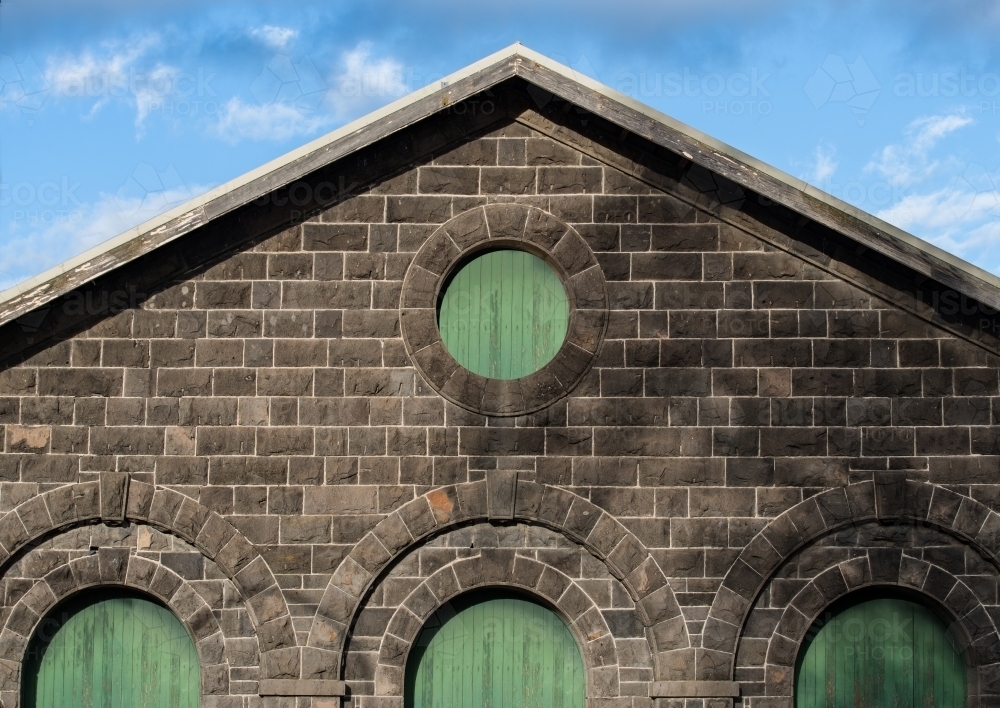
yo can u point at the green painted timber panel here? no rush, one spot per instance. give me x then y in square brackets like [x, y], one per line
[881, 653]
[495, 650]
[111, 651]
[504, 314]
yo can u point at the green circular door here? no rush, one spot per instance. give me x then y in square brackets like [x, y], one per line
[495, 650]
[880, 653]
[110, 650]
[504, 314]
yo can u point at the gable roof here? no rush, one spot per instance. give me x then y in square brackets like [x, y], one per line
[516, 60]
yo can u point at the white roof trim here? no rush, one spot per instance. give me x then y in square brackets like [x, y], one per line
[759, 166]
[191, 214]
[202, 199]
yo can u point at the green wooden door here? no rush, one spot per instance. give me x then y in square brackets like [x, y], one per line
[111, 651]
[495, 651]
[504, 314]
[881, 653]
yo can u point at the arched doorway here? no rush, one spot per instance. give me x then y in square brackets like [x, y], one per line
[880, 651]
[495, 649]
[111, 649]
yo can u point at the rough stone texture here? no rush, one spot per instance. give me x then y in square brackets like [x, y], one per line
[763, 397]
[142, 558]
[510, 226]
[912, 555]
[598, 608]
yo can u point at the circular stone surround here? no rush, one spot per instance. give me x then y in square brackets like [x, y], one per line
[504, 226]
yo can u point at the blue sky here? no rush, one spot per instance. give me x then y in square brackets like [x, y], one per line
[111, 112]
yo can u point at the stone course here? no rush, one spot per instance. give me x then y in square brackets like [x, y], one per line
[758, 414]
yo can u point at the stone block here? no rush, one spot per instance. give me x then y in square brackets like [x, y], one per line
[497, 565]
[114, 494]
[113, 564]
[12, 532]
[569, 180]
[393, 534]
[72, 382]
[370, 554]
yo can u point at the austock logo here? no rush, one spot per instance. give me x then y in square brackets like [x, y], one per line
[81, 303]
[836, 81]
[896, 629]
[163, 89]
[48, 202]
[283, 81]
[736, 93]
[951, 84]
[979, 192]
[474, 106]
[22, 84]
[305, 198]
[148, 191]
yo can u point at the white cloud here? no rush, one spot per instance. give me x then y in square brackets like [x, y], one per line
[272, 121]
[933, 212]
[33, 245]
[962, 217]
[31, 248]
[276, 38]
[824, 164]
[980, 245]
[114, 72]
[364, 82]
[909, 162]
[98, 75]
[928, 130]
[150, 94]
[292, 99]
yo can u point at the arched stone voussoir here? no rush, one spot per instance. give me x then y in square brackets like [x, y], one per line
[499, 568]
[115, 498]
[501, 497]
[55, 509]
[971, 626]
[115, 567]
[890, 498]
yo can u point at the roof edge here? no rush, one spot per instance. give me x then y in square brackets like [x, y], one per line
[737, 157]
[519, 60]
[190, 212]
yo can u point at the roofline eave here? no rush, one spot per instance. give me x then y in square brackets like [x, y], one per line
[515, 60]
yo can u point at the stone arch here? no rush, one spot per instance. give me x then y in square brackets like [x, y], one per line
[496, 567]
[970, 620]
[115, 567]
[891, 497]
[501, 497]
[114, 498]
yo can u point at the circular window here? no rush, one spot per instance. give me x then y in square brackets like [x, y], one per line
[503, 309]
[504, 314]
